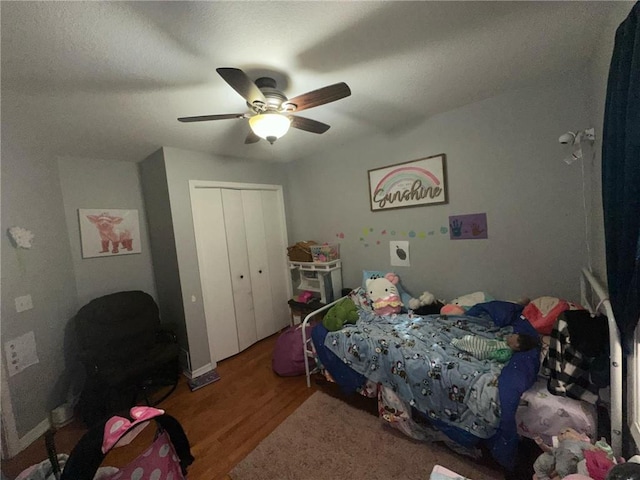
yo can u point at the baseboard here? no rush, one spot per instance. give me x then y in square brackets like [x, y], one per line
[34, 434]
[185, 362]
[200, 371]
[10, 439]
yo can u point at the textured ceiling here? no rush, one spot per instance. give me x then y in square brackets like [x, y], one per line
[108, 79]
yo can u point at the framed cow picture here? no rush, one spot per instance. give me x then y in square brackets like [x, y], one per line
[109, 232]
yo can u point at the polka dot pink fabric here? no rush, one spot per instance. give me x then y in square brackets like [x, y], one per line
[118, 428]
[158, 462]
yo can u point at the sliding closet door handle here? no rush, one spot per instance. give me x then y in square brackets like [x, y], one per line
[241, 276]
[259, 271]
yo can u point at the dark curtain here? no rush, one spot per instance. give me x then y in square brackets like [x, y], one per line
[621, 176]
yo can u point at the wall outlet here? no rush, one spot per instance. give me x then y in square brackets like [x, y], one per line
[23, 303]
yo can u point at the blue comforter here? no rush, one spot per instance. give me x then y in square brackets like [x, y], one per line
[466, 398]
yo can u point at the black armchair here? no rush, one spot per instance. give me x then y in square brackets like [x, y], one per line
[126, 353]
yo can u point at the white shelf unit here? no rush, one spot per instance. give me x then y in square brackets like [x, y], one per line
[324, 278]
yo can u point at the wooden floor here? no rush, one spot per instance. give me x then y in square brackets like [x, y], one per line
[224, 421]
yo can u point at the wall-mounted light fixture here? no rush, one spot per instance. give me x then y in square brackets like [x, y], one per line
[575, 140]
[270, 125]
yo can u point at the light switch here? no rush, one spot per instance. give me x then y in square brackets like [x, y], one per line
[23, 303]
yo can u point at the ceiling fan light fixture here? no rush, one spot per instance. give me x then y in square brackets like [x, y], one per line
[270, 110]
[270, 126]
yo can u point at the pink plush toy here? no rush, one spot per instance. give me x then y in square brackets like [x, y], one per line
[384, 295]
[452, 309]
[305, 297]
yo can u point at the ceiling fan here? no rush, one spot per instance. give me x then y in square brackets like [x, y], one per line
[272, 112]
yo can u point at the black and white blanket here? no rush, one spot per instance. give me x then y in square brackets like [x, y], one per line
[568, 367]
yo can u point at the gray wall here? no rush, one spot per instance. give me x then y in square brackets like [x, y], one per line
[101, 184]
[503, 158]
[163, 244]
[182, 166]
[32, 199]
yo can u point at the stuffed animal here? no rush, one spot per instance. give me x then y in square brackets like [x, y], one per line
[405, 297]
[562, 459]
[304, 297]
[426, 298]
[459, 305]
[384, 295]
[426, 304]
[341, 313]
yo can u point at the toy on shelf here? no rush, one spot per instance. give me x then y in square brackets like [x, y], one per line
[304, 297]
[327, 252]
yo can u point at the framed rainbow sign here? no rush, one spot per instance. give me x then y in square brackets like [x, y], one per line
[409, 184]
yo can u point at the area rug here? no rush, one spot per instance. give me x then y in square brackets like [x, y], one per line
[325, 438]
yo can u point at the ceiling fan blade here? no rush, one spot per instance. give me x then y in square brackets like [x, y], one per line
[251, 138]
[204, 118]
[320, 97]
[242, 84]
[308, 125]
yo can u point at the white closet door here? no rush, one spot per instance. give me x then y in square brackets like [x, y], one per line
[215, 275]
[254, 221]
[239, 265]
[276, 240]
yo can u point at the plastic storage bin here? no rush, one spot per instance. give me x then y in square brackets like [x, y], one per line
[325, 253]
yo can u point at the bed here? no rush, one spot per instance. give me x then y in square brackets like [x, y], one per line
[409, 359]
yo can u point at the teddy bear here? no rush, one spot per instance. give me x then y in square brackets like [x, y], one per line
[341, 313]
[561, 459]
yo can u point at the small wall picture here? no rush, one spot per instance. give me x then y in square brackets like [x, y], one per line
[399, 253]
[109, 232]
[468, 227]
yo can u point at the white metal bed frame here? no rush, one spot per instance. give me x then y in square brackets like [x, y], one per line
[306, 342]
[591, 291]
